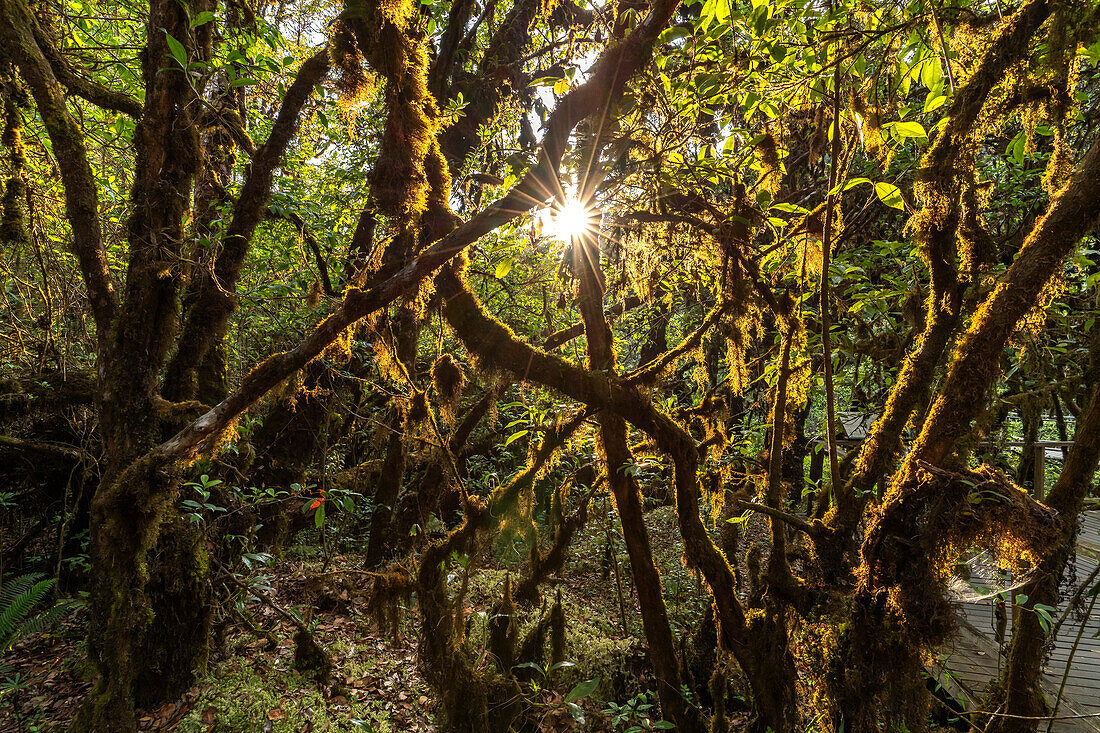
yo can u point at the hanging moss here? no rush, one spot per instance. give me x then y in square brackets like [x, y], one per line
[418, 409]
[386, 34]
[870, 119]
[449, 380]
[769, 164]
[353, 83]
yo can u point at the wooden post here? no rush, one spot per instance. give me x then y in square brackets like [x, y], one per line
[817, 467]
[1039, 488]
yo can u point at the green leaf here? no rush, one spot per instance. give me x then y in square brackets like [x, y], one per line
[890, 195]
[503, 268]
[1018, 147]
[673, 34]
[790, 208]
[934, 102]
[582, 690]
[909, 129]
[849, 184]
[514, 437]
[319, 517]
[931, 73]
[202, 19]
[176, 50]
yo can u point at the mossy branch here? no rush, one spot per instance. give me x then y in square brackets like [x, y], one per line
[607, 78]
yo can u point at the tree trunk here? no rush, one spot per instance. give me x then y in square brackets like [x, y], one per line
[406, 331]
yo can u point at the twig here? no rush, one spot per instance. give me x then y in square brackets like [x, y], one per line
[1069, 663]
[831, 202]
[264, 597]
[791, 519]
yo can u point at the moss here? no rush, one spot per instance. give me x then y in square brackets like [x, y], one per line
[240, 699]
[768, 163]
[449, 379]
[176, 645]
[353, 83]
[386, 34]
[13, 228]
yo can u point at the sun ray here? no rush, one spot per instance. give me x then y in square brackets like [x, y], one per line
[569, 219]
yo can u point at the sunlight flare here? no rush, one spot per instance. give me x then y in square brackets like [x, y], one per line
[569, 220]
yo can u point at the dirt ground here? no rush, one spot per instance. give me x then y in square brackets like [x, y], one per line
[251, 683]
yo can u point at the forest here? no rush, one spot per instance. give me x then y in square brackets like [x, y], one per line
[549, 365]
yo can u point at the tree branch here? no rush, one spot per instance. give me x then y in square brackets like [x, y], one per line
[214, 302]
[83, 87]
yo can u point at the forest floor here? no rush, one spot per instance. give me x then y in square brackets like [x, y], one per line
[251, 683]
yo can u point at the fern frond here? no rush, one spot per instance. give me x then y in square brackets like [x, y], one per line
[14, 615]
[43, 621]
[16, 587]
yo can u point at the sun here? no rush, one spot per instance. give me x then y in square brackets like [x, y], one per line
[570, 220]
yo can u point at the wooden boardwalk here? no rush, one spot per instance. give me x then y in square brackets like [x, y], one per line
[974, 657]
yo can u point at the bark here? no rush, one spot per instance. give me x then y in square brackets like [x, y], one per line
[499, 77]
[219, 156]
[1072, 214]
[567, 334]
[77, 83]
[945, 191]
[406, 331]
[137, 603]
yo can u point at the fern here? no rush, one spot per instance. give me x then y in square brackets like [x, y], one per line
[16, 587]
[18, 599]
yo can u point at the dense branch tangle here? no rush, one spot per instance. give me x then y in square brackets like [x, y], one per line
[150, 374]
